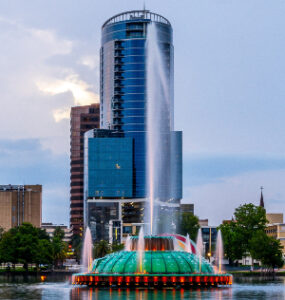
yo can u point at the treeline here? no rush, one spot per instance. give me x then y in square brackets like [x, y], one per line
[245, 236]
[27, 244]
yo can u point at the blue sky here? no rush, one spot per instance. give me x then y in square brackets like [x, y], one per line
[229, 95]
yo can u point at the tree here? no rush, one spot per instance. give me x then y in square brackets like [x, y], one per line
[189, 223]
[117, 247]
[44, 254]
[266, 249]
[76, 243]
[232, 238]
[1, 232]
[101, 249]
[8, 247]
[249, 219]
[58, 232]
[27, 244]
[59, 247]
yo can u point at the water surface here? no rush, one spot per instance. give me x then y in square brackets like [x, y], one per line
[59, 288]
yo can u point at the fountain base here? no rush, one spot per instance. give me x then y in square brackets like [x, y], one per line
[152, 280]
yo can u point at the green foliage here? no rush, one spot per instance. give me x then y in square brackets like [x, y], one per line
[76, 243]
[189, 223]
[59, 247]
[27, 241]
[245, 235]
[266, 249]
[8, 247]
[251, 218]
[59, 233]
[101, 249]
[234, 247]
[1, 232]
[117, 247]
[26, 244]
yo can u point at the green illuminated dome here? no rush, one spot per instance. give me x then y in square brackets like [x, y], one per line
[154, 262]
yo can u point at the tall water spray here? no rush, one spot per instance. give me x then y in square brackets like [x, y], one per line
[159, 124]
[219, 252]
[188, 244]
[140, 250]
[199, 247]
[87, 256]
[128, 244]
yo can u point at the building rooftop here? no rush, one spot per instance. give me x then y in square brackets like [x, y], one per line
[136, 15]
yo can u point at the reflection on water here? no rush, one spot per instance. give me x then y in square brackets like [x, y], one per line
[59, 288]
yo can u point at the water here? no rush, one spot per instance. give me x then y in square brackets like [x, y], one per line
[199, 247]
[219, 255]
[159, 122]
[128, 244]
[242, 289]
[140, 250]
[87, 256]
[188, 244]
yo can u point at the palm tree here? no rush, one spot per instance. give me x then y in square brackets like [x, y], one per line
[101, 249]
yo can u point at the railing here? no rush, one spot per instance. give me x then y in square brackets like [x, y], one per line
[136, 15]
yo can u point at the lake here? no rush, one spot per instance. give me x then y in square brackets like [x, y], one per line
[58, 287]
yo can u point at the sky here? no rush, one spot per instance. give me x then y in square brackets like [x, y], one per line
[229, 96]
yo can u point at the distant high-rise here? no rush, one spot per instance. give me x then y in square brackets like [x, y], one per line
[20, 203]
[82, 119]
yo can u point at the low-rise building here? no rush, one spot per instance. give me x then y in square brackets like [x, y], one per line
[276, 228]
[50, 227]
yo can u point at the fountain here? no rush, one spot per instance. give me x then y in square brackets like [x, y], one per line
[159, 266]
[188, 244]
[159, 125]
[140, 250]
[199, 247]
[128, 244]
[219, 254]
[87, 256]
[165, 260]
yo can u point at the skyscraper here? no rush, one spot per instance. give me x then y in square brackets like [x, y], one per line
[123, 80]
[118, 151]
[82, 119]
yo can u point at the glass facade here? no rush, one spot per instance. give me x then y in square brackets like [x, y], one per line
[209, 235]
[108, 166]
[123, 81]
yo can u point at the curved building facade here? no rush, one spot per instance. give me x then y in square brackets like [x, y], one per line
[123, 81]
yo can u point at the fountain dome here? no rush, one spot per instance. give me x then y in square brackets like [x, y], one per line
[154, 262]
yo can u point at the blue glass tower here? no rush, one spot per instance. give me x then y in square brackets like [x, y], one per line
[123, 81]
[115, 156]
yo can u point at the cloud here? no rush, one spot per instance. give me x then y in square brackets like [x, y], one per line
[204, 169]
[79, 89]
[89, 61]
[36, 89]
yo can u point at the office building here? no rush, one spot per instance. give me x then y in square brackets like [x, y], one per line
[82, 119]
[20, 203]
[115, 156]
